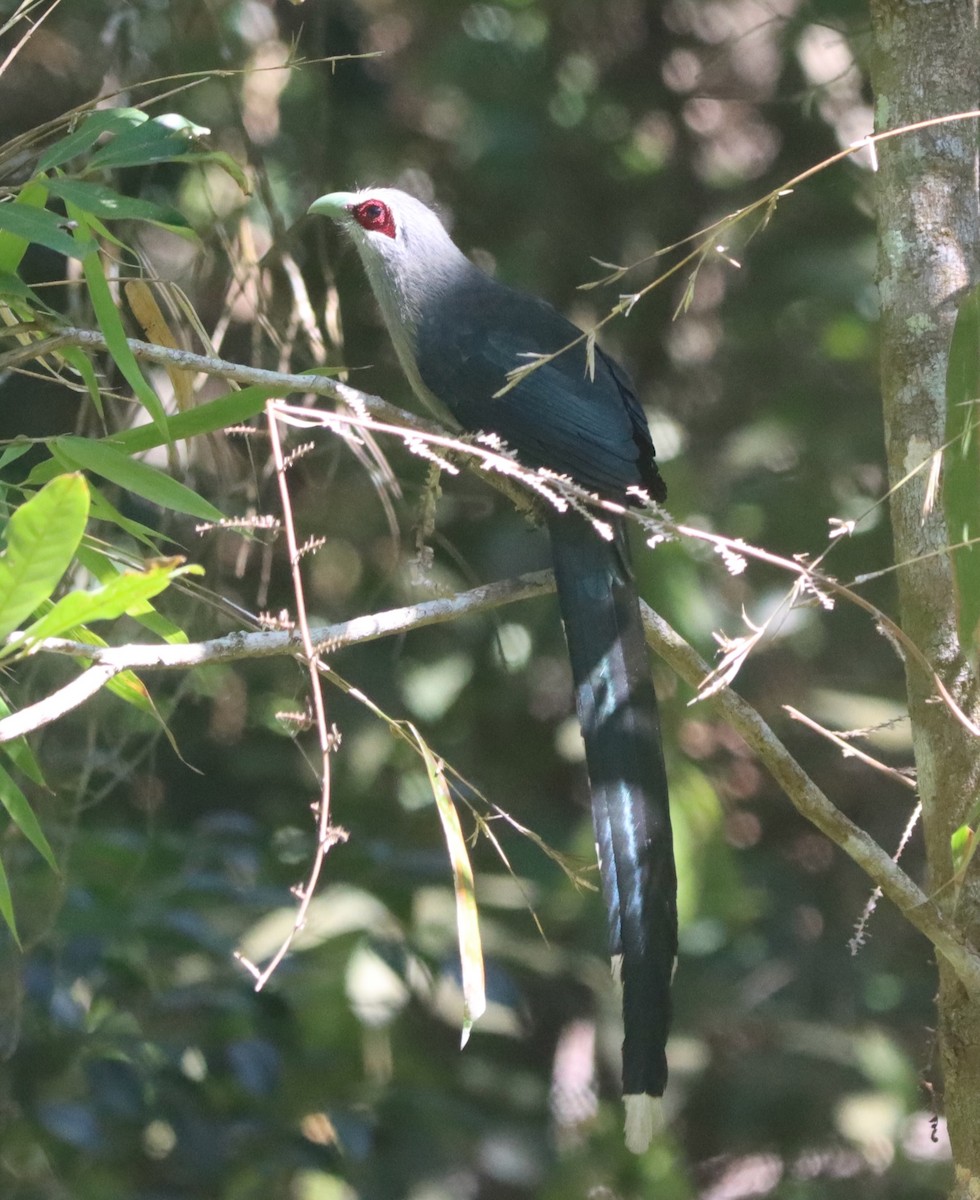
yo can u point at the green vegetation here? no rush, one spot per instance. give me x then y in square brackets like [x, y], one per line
[629, 162]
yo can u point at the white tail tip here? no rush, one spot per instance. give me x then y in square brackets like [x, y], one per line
[644, 1116]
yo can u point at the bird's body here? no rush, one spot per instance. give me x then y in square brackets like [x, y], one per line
[458, 333]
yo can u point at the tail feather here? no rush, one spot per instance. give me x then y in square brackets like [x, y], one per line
[617, 709]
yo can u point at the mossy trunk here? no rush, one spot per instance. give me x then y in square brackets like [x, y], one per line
[926, 63]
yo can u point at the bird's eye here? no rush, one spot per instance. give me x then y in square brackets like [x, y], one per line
[375, 216]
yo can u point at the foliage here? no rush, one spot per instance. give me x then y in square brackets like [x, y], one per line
[175, 813]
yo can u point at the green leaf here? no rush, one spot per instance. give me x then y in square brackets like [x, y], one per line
[128, 686]
[962, 844]
[104, 510]
[38, 225]
[231, 409]
[78, 359]
[961, 466]
[161, 139]
[167, 138]
[7, 904]
[101, 567]
[102, 231]
[14, 288]
[111, 463]
[22, 815]
[42, 536]
[14, 450]
[88, 132]
[12, 247]
[228, 164]
[19, 752]
[126, 591]
[101, 201]
[111, 324]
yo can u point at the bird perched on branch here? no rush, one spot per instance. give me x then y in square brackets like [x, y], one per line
[458, 333]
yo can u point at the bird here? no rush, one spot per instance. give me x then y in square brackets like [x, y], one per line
[458, 333]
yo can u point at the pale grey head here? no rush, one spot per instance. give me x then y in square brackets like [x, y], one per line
[410, 260]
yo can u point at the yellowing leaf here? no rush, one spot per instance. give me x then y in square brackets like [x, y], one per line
[467, 917]
[154, 325]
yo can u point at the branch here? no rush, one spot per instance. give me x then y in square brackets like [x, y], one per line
[83, 687]
[186, 360]
[109, 661]
[803, 793]
[388, 417]
[848, 749]
[327, 834]
[812, 804]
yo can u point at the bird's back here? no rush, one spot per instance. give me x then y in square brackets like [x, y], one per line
[590, 428]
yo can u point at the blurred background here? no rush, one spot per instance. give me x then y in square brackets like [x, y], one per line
[551, 133]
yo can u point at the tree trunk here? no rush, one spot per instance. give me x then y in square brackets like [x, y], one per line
[926, 64]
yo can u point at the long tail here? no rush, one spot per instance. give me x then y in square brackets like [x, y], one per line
[617, 709]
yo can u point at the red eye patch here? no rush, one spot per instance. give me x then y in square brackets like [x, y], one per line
[375, 216]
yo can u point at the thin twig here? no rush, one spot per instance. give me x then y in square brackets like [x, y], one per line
[849, 750]
[858, 937]
[817, 580]
[327, 835]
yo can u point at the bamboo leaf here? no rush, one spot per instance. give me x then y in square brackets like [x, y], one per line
[231, 409]
[22, 815]
[126, 591]
[13, 247]
[42, 537]
[26, 225]
[15, 288]
[467, 917]
[88, 132]
[7, 904]
[99, 200]
[101, 508]
[80, 361]
[101, 567]
[161, 139]
[105, 459]
[147, 311]
[111, 324]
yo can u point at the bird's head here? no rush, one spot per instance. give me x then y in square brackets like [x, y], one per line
[410, 259]
[389, 225]
[411, 262]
